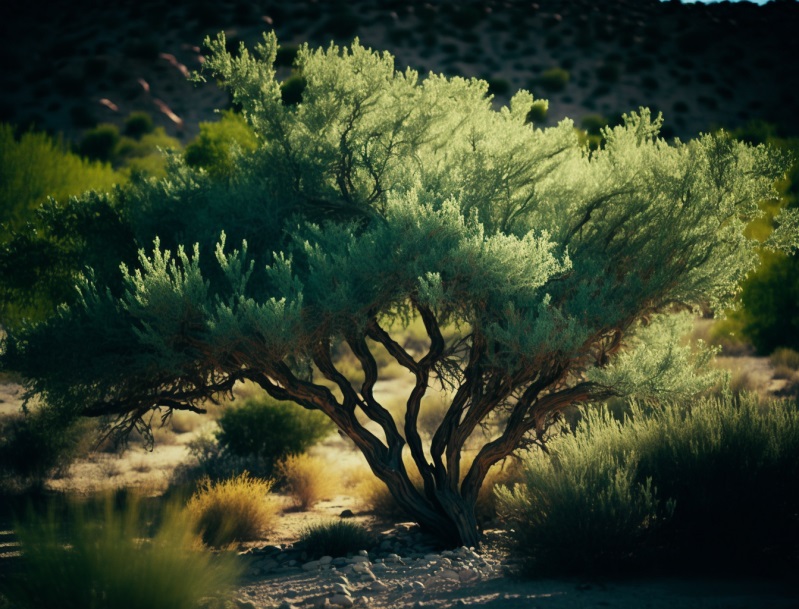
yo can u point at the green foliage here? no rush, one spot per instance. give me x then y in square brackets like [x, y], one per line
[538, 111]
[219, 144]
[669, 485]
[39, 444]
[99, 144]
[381, 197]
[335, 538]
[33, 166]
[554, 79]
[114, 560]
[593, 123]
[291, 89]
[270, 430]
[138, 124]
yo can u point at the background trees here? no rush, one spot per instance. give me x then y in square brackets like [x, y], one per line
[380, 197]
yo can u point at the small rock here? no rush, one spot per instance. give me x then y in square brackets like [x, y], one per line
[368, 576]
[393, 558]
[468, 575]
[417, 585]
[340, 579]
[325, 560]
[378, 586]
[286, 605]
[339, 562]
[448, 574]
[342, 600]
[311, 566]
[346, 514]
[359, 559]
[363, 553]
[340, 589]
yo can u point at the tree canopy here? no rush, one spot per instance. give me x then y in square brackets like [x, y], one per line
[381, 197]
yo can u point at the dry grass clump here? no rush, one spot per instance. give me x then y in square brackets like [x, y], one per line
[237, 509]
[308, 480]
[785, 359]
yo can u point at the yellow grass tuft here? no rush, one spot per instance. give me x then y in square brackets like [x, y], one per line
[237, 509]
[308, 480]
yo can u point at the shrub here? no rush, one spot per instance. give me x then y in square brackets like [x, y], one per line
[40, 444]
[286, 56]
[291, 90]
[218, 144]
[554, 79]
[99, 144]
[237, 509]
[59, 174]
[336, 538]
[785, 357]
[594, 123]
[271, 430]
[138, 124]
[538, 111]
[710, 486]
[112, 561]
[307, 479]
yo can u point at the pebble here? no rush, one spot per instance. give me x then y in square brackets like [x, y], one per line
[342, 600]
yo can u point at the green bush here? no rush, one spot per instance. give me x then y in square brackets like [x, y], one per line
[291, 90]
[112, 560]
[554, 79]
[99, 144]
[538, 111]
[336, 538]
[138, 124]
[594, 123]
[218, 144]
[712, 486]
[34, 166]
[40, 444]
[270, 430]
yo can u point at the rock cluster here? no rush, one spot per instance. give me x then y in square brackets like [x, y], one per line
[404, 563]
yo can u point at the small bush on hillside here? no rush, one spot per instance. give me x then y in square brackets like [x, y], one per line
[785, 357]
[307, 479]
[40, 444]
[712, 486]
[270, 430]
[291, 90]
[216, 147]
[593, 123]
[554, 79]
[138, 124]
[99, 144]
[538, 111]
[286, 56]
[336, 538]
[112, 560]
[233, 510]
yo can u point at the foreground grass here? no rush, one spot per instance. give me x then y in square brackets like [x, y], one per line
[116, 555]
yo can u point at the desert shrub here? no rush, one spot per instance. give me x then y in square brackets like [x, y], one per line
[112, 560]
[307, 479]
[593, 123]
[291, 90]
[34, 166]
[99, 144]
[538, 111]
[40, 444]
[554, 79]
[138, 124]
[146, 154]
[233, 510]
[711, 486]
[218, 143]
[271, 430]
[335, 538]
[783, 356]
[286, 55]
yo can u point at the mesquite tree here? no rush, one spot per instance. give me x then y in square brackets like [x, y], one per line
[382, 197]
